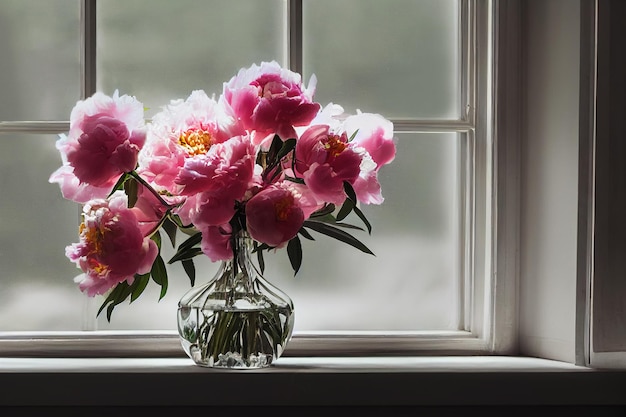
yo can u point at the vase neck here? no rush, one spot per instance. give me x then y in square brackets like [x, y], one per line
[241, 245]
[238, 273]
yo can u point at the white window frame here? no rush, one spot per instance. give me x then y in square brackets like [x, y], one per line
[490, 237]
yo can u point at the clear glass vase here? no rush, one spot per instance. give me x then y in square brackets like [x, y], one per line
[238, 319]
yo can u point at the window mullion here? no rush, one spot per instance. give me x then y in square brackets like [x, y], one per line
[294, 35]
[42, 127]
[87, 89]
[467, 65]
[87, 48]
[423, 125]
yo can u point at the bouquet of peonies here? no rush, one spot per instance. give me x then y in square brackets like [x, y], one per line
[263, 158]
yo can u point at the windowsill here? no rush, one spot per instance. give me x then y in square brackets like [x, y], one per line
[297, 382]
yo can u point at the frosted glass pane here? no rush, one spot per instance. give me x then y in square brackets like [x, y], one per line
[158, 50]
[395, 57]
[411, 284]
[37, 291]
[40, 64]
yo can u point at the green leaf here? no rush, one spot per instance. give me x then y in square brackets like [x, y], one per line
[352, 136]
[273, 169]
[305, 233]
[186, 249]
[277, 143]
[338, 234]
[159, 275]
[186, 254]
[140, 283]
[115, 297]
[262, 246]
[347, 226]
[110, 312]
[345, 209]
[287, 147]
[190, 269]
[352, 197]
[170, 228]
[347, 187]
[260, 156]
[187, 229]
[294, 250]
[191, 241]
[156, 237]
[119, 184]
[104, 303]
[123, 294]
[294, 179]
[328, 218]
[324, 211]
[260, 260]
[273, 160]
[131, 188]
[363, 218]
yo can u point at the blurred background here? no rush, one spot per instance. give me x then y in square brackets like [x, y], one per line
[400, 58]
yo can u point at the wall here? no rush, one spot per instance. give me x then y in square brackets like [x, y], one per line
[549, 170]
[609, 286]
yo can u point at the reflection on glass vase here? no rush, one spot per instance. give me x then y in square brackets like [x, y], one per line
[238, 319]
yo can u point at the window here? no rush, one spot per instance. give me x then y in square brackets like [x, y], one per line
[426, 64]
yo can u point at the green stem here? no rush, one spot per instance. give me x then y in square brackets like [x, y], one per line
[143, 182]
[160, 223]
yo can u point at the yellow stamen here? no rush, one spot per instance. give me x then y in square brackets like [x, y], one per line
[97, 267]
[283, 207]
[94, 236]
[195, 142]
[334, 146]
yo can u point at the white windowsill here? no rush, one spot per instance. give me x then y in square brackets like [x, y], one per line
[298, 382]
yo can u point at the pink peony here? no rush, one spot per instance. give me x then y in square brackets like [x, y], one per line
[150, 210]
[216, 180]
[303, 196]
[72, 189]
[372, 139]
[325, 160]
[183, 130]
[375, 134]
[208, 209]
[228, 167]
[270, 100]
[366, 186]
[273, 216]
[112, 247]
[105, 137]
[216, 242]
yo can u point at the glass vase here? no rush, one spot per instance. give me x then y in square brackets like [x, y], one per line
[238, 319]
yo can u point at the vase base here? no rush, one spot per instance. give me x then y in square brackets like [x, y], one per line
[234, 339]
[230, 360]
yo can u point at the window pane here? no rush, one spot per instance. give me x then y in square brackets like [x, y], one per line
[411, 284]
[398, 57]
[37, 291]
[40, 64]
[159, 50]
